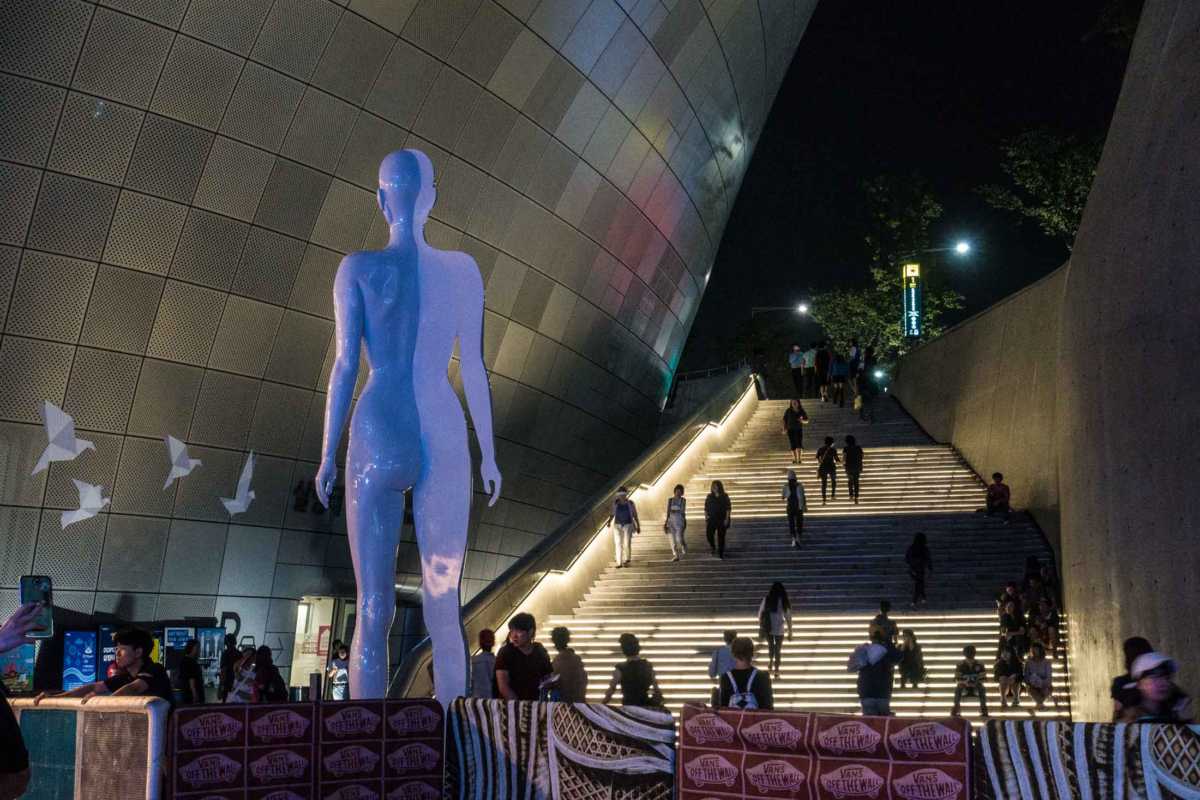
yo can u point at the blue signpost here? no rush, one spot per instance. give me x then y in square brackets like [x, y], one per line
[911, 323]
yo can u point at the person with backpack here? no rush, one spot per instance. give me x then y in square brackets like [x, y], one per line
[875, 663]
[744, 687]
[625, 524]
[797, 504]
[920, 564]
[827, 464]
[774, 618]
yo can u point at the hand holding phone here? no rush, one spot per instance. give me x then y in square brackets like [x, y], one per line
[36, 589]
[15, 631]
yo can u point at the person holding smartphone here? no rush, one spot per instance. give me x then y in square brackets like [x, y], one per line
[14, 758]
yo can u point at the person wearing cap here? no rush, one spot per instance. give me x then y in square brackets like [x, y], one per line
[1159, 699]
[625, 524]
[1134, 646]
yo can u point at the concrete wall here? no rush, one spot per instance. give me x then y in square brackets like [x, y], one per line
[1129, 344]
[1094, 370]
[988, 387]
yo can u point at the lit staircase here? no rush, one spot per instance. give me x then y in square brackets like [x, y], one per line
[851, 556]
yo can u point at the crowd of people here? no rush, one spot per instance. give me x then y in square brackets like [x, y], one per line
[833, 375]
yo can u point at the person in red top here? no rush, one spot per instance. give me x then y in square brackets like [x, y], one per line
[998, 496]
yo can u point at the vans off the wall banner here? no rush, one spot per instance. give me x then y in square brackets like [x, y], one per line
[755, 754]
[1087, 760]
[565, 751]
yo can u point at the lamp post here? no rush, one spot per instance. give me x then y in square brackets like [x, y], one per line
[911, 301]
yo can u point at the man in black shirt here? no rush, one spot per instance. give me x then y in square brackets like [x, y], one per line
[852, 458]
[522, 663]
[135, 674]
[189, 679]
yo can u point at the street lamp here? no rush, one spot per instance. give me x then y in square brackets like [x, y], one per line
[962, 247]
[802, 308]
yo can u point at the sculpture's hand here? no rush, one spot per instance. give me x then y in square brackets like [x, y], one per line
[326, 476]
[491, 481]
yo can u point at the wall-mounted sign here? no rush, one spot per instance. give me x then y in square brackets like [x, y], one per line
[911, 277]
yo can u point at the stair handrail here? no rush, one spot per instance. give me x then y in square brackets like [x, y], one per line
[559, 550]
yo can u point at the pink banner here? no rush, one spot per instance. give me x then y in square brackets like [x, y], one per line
[754, 754]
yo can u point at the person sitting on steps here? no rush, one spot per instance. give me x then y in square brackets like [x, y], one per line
[998, 497]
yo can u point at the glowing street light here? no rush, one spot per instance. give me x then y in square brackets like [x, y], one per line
[878, 374]
[802, 308]
[962, 247]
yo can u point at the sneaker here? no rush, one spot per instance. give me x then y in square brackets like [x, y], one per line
[620, 565]
[795, 543]
[676, 558]
[683, 548]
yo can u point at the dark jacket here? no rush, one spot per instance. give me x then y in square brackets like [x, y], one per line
[717, 508]
[875, 670]
[852, 457]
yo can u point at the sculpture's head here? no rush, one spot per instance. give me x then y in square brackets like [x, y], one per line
[406, 187]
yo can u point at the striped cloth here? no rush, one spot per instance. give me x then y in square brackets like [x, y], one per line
[517, 750]
[1090, 761]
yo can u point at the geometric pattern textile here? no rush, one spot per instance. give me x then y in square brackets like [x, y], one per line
[564, 751]
[1063, 761]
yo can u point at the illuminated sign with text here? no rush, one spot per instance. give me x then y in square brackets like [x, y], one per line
[911, 293]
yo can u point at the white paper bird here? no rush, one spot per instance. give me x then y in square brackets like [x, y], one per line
[60, 432]
[91, 500]
[241, 501]
[181, 465]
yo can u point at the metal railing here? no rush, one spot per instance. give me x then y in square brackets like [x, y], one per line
[560, 550]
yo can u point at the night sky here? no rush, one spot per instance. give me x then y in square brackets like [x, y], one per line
[928, 86]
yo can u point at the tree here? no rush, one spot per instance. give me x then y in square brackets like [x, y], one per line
[899, 213]
[1050, 177]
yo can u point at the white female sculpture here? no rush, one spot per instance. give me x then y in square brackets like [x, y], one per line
[409, 303]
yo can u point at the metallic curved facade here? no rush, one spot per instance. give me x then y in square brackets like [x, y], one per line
[180, 178]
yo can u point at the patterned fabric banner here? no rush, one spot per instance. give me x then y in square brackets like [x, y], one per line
[352, 750]
[1087, 760]
[501, 750]
[752, 754]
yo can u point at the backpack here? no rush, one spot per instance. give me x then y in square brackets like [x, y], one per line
[743, 700]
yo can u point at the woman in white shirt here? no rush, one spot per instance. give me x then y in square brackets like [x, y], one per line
[676, 522]
[774, 618]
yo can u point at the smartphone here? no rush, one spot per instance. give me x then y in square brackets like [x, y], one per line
[38, 589]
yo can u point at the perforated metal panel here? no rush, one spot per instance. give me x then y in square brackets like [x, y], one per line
[50, 297]
[268, 266]
[279, 419]
[247, 549]
[344, 220]
[168, 159]
[100, 390]
[27, 124]
[95, 138]
[186, 324]
[18, 533]
[245, 336]
[70, 557]
[195, 551]
[295, 34]
[224, 410]
[353, 58]
[72, 216]
[121, 58]
[133, 553]
[299, 350]
[136, 294]
[38, 372]
[319, 130]
[138, 488]
[196, 83]
[18, 191]
[233, 26]
[165, 398]
[42, 39]
[292, 199]
[233, 179]
[208, 249]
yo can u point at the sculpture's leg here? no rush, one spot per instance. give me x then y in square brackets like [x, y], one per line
[442, 510]
[374, 515]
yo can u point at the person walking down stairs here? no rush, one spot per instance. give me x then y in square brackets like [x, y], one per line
[797, 504]
[676, 522]
[775, 619]
[920, 564]
[794, 420]
[718, 516]
[624, 525]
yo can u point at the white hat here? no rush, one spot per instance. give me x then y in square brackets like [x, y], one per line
[1148, 662]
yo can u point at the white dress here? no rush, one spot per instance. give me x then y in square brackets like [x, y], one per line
[676, 513]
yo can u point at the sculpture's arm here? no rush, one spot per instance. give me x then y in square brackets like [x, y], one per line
[348, 311]
[474, 376]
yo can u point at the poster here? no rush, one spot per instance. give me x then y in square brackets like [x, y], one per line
[212, 643]
[16, 669]
[79, 659]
